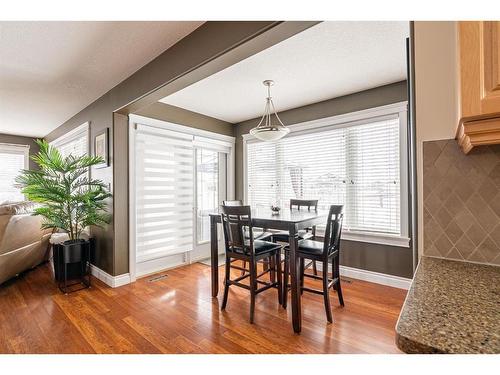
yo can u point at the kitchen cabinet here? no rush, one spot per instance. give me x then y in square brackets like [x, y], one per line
[479, 75]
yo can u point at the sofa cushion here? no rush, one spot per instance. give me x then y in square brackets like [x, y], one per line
[17, 208]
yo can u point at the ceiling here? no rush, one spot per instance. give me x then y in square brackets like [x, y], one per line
[49, 71]
[328, 60]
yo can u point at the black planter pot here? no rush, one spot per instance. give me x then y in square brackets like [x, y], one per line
[72, 264]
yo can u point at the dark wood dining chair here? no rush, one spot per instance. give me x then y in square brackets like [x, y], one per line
[235, 221]
[261, 234]
[304, 234]
[324, 252]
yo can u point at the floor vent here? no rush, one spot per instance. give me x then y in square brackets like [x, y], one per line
[158, 278]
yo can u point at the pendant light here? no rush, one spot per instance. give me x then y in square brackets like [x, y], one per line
[269, 129]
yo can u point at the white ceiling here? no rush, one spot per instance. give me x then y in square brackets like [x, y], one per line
[328, 60]
[49, 71]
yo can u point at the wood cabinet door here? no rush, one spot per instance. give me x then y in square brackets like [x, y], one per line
[490, 66]
[479, 68]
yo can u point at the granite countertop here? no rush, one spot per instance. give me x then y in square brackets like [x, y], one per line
[451, 307]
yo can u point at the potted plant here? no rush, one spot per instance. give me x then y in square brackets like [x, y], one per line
[69, 201]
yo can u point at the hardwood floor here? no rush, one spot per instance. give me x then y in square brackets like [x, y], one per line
[176, 314]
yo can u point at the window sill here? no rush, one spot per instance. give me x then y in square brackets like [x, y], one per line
[375, 238]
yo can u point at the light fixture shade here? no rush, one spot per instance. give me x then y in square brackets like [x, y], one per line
[269, 133]
[269, 129]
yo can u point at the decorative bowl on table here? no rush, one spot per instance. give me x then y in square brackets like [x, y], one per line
[275, 210]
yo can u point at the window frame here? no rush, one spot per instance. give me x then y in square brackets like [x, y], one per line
[73, 134]
[351, 119]
[22, 149]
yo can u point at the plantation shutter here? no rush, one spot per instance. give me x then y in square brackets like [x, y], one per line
[354, 165]
[164, 193]
[13, 158]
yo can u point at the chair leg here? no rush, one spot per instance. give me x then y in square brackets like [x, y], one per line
[336, 261]
[339, 293]
[244, 266]
[277, 264]
[253, 288]
[265, 264]
[285, 280]
[315, 270]
[301, 275]
[226, 283]
[326, 294]
[272, 269]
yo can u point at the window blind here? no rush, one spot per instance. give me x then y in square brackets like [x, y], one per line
[74, 143]
[164, 194]
[357, 166]
[374, 177]
[262, 173]
[12, 159]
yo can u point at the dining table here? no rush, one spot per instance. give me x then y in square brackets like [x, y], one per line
[291, 220]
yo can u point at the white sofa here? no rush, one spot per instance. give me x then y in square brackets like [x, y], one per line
[23, 245]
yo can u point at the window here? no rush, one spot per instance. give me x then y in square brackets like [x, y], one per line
[13, 158]
[75, 142]
[360, 164]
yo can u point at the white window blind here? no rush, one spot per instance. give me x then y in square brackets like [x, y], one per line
[13, 158]
[74, 142]
[164, 194]
[262, 173]
[358, 166]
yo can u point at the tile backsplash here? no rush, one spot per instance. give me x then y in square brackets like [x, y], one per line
[461, 202]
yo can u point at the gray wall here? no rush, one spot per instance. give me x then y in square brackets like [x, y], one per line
[18, 140]
[206, 46]
[121, 206]
[390, 260]
[166, 112]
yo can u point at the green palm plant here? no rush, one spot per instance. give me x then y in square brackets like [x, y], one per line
[69, 200]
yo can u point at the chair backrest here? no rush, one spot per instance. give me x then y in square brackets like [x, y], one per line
[234, 221]
[309, 203]
[232, 203]
[333, 229]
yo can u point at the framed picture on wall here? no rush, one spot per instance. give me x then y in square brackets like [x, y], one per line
[101, 147]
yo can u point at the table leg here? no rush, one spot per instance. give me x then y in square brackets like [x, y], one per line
[214, 256]
[295, 279]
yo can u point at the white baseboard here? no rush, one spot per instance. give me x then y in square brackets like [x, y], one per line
[376, 277]
[373, 277]
[106, 278]
[354, 273]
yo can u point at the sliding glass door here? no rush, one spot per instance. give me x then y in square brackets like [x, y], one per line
[179, 179]
[207, 191]
[210, 192]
